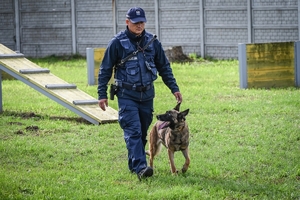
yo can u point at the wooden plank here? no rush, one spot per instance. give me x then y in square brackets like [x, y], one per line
[18, 64]
[71, 94]
[109, 115]
[44, 79]
[5, 50]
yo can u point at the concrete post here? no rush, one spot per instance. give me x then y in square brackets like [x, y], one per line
[242, 65]
[73, 13]
[90, 65]
[156, 7]
[17, 21]
[298, 20]
[202, 41]
[249, 23]
[114, 15]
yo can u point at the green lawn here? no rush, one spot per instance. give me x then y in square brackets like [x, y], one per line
[245, 144]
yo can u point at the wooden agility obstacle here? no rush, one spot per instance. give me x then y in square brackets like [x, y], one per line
[68, 95]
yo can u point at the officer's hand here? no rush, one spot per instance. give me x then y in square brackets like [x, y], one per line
[103, 103]
[178, 97]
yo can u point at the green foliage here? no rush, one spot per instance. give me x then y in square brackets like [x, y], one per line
[244, 143]
[195, 57]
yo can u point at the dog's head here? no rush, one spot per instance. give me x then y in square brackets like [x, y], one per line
[172, 117]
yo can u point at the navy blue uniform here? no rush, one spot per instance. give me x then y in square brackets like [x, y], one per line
[135, 93]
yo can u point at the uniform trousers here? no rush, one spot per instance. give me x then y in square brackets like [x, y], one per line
[135, 118]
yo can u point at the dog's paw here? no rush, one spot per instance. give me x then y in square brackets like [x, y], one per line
[175, 173]
[183, 170]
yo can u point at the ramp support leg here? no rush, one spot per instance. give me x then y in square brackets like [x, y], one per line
[1, 109]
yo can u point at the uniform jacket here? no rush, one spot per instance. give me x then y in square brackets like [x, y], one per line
[140, 70]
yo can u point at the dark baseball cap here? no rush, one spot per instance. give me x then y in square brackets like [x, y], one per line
[136, 14]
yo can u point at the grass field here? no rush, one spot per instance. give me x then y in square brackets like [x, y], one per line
[245, 144]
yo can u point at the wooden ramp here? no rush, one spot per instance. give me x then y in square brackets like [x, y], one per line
[68, 95]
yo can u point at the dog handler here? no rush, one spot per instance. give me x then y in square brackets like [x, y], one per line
[137, 57]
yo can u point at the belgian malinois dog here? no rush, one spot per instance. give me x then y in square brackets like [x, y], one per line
[172, 131]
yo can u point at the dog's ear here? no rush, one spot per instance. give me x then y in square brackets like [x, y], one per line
[177, 107]
[185, 113]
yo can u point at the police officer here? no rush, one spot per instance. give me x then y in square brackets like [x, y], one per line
[134, 76]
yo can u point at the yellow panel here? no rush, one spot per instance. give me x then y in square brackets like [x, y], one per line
[270, 74]
[270, 64]
[98, 56]
[270, 84]
[269, 47]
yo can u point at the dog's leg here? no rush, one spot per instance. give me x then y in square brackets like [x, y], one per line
[187, 160]
[151, 147]
[172, 164]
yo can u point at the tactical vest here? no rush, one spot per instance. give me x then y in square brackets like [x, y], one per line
[139, 70]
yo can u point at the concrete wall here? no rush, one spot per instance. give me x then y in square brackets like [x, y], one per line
[209, 28]
[7, 24]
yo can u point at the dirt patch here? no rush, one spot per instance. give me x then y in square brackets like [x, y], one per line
[19, 132]
[15, 123]
[29, 115]
[175, 54]
[32, 128]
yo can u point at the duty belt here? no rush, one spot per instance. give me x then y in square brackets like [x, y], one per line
[136, 88]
